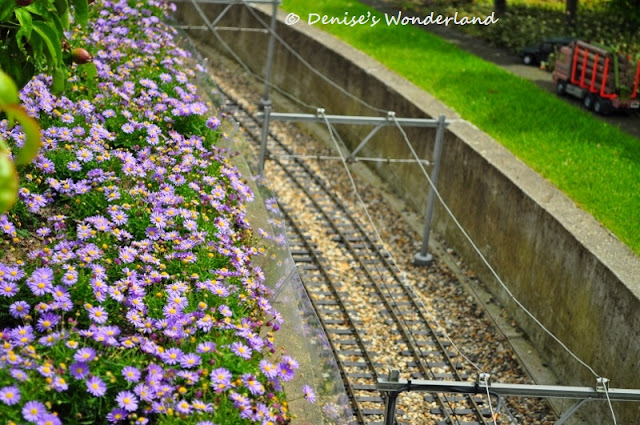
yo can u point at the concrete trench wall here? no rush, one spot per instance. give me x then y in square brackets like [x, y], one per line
[578, 280]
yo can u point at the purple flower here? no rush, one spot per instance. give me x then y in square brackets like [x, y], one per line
[172, 356]
[47, 322]
[206, 347]
[98, 314]
[241, 350]
[40, 281]
[10, 395]
[8, 289]
[190, 360]
[32, 410]
[221, 378]
[96, 387]
[79, 370]
[127, 400]
[269, 370]
[213, 123]
[308, 393]
[85, 354]
[252, 384]
[183, 407]
[131, 374]
[117, 415]
[127, 128]
[19, 309]
[48, 419]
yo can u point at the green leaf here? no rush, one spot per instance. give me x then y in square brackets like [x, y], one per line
[31, 128]
[51, 40]
[62, 6]
[59, 79]
[6, 9]
[40, 8]
[82, 11]
[26, 26]
[8, 90]
[8, 180]
[92, 73]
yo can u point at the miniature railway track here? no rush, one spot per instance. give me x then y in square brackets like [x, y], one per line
[414, 343]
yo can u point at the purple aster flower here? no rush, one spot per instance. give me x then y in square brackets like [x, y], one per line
[190, 360]
[19, 375]
[172, 356]
[47, 321]
[241, 350]
[221, 378]
[85, 354]
[60, 384]
[213, 123]
[117, 415]
[127, 400]
[96, 387]
[128, 128]
[98, 314]
[269, 369]
[144, 392]
[206, 347]
[10, 395]
[48, 419]
[309, 394]
[8, 289]
[33, 410]
[131, 374]
[79, 370]
[6, 226]
[22, 335]
[183, 407]
[252, 384]
[14, 273]
[40, 281]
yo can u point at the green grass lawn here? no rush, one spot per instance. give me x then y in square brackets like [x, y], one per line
[595, 164]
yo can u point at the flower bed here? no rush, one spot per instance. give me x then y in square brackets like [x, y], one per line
[127, 287]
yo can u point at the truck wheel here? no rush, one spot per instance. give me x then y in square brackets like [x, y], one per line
[561, 88]
[602, 106]
[588, 101]
[527, 59]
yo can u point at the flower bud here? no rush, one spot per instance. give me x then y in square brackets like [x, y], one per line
[80, 56]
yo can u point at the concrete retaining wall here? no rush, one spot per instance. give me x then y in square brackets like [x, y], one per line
[582, 283]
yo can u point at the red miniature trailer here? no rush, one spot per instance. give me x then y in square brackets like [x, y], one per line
[604, 80]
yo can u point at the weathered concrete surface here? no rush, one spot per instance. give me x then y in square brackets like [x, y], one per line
[577, 279]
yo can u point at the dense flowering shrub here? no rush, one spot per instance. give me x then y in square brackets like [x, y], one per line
[127, 288]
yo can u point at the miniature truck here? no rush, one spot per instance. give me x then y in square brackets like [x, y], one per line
[605, 81]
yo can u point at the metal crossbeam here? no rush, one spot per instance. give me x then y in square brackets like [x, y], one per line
[357, 120]
[393, 386]
[519, 390]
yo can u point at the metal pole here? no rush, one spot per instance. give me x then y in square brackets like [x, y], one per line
[265, 102]
[263, 139]
[423, 258]
[391, 400]
[270, 48]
